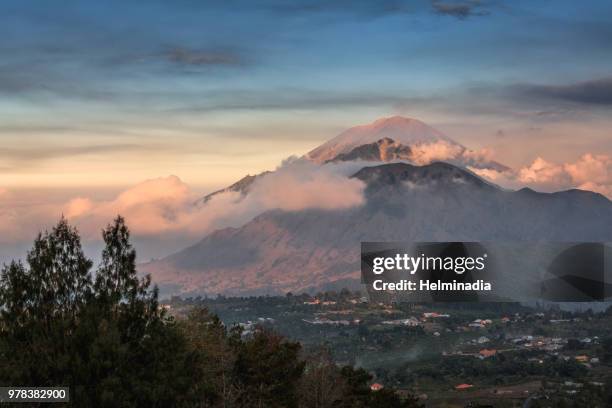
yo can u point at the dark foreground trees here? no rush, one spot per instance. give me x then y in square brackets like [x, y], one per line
[104, 335]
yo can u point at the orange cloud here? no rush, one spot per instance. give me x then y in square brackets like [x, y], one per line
[430, 152]
[589, 172]
[78, 206]
[165, 206]
[542, 172]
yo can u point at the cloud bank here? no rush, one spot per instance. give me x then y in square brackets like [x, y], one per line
[165, 206]
[589, 172]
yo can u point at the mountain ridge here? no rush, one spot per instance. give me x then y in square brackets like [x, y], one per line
[280, 251]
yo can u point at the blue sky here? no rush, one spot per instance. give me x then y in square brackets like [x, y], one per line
[114, 92]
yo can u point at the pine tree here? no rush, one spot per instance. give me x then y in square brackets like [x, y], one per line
[118, 287]
[41, 307]
[59, 274]
[116, 277]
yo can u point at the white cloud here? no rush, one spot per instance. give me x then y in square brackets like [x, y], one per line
[430, 152]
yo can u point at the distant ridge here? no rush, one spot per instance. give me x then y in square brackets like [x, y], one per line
[437, 172]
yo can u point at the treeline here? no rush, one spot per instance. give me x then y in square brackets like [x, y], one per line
[503, 367]
[104, 335]
[344, 295]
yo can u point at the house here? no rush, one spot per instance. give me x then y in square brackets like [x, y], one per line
[582, 359]
[434, 315]
[461, 387]
[411, 321]
[376, 387]
[572, 384]
[487, 353]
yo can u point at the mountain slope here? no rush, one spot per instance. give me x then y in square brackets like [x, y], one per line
[242, 186]
[384, 150]
[282, 251]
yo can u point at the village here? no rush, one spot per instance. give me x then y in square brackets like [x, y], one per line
[439, 351]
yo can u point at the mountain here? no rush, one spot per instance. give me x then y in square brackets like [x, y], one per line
[241, 186]
[389, 139]
[401, 130]
[280, 251]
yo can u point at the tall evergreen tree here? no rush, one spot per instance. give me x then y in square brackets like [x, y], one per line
[41, 307]
[59, 273]
[117, 286]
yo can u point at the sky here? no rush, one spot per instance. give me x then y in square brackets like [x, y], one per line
[98, 96]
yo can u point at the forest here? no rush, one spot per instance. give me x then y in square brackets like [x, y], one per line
[102, 332]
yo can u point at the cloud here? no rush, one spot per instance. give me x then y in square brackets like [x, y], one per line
[592, 92]
[19, 159]
[460, 9]
[504, 178]
[291, 98]
[185, 56]
[591, 168]
[426, 153]
[301, 185]
[482, 159]
[50, 152]
[589, 172]
[78, 206]
[544, 173]
[165, 206]
[605, 189]
[373, 9]
[365, 9]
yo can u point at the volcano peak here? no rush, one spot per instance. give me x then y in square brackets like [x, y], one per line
[403, 130]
